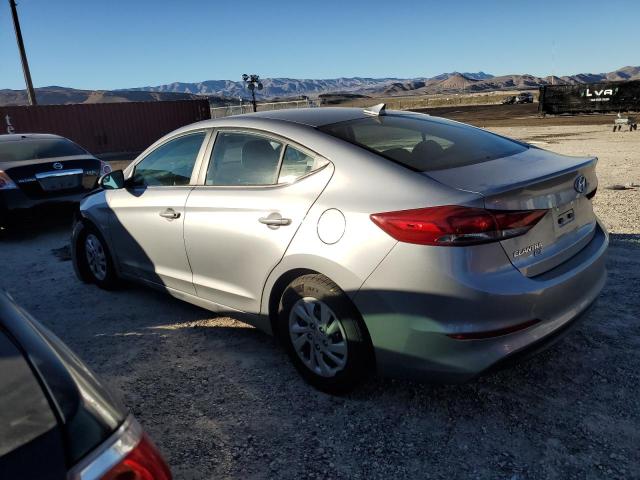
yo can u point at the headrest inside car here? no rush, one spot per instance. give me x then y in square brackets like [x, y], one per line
[259, 155]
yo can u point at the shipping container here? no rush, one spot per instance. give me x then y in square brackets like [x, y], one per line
[591, 97]
[105, 127]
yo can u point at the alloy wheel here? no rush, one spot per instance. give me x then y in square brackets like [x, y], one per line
[318, 337]
[96, 256]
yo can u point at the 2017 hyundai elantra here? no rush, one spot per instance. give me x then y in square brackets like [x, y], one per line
[366, 240]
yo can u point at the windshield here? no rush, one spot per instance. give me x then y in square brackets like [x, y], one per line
[34, 149]
[424, 143]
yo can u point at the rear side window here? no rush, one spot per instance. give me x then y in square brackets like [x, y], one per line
[25, 413]
[423, 143]
[244, 159]
[171, 164]
[34, 149]
[296, 164]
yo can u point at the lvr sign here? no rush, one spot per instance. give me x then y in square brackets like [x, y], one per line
[600, 95]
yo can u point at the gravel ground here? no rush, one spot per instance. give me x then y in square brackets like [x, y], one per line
[222, 401]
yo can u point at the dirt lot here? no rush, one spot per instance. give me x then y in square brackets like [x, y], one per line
[222, 401]
[514, 115]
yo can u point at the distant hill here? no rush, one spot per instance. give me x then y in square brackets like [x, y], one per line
[63, 95]
[225, 92]
[452, 82]
[273, 87]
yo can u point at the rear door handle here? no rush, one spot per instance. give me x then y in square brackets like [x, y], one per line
[275, 220]
[170, 213]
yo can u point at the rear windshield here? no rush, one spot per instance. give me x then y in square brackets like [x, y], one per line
[424, 143]
[33, 149]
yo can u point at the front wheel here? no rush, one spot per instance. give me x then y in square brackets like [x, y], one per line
[324, 334]
[91, 258]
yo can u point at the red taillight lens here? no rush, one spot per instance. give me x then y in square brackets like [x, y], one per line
[144, 462]
[5, 182]
[453, 225]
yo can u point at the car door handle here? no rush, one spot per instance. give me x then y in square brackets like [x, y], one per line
[170, 213]
[274, 220]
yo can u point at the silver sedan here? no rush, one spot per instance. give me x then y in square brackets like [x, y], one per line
[365, 240]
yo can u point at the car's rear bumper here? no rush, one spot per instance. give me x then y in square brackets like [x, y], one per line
[417, 299]
[14, 204]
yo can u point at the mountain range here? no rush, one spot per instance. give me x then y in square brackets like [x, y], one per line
[225, 91]
[453, 82]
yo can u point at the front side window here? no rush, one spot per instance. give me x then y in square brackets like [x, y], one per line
[171, 164]
[423, 143]
[243, 159]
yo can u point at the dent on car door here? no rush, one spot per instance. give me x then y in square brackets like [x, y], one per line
[238, 225]
[147, 216]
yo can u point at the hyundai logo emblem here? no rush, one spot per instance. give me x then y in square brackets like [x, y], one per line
[57, 166]
[580, 184]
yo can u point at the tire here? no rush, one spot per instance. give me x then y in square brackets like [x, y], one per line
[333, 352]
[92, 260]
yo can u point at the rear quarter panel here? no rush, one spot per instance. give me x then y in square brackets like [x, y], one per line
[363, 183]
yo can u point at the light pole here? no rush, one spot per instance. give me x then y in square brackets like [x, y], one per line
[252, 82]
[23, 55]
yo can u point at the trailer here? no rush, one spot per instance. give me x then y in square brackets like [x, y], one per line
[598, 97]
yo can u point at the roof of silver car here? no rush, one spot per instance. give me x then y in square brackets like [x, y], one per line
[314, 117]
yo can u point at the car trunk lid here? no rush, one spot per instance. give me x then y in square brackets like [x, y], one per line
[533, 180]
[53, 176]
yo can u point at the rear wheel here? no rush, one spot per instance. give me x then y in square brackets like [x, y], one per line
[323, 334]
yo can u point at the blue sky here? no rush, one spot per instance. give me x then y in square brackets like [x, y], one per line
[100, 44]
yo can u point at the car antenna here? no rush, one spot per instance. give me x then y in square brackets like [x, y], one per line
[376, 110]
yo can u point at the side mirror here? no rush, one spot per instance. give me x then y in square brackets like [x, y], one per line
[112, 181]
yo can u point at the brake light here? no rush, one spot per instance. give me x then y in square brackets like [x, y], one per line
[142, 463]
[5, 182]
[128, 454]
[453, 225]
[105, 168]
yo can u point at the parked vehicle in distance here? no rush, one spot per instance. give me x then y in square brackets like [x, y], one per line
[57, 420]
[524, 97]
[38, 170]
[366, 240]
[509, 100]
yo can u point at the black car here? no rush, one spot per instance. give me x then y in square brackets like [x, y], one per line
[39, 170]
[57, 421]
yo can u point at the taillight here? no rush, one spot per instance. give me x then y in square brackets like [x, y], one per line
[127, 455]
[104, 168]
[453, 225]
[142, 463]
[5, 182]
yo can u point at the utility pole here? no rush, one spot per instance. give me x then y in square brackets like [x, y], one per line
[23, 55]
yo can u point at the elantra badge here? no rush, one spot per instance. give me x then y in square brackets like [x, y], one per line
[535, 249]
[580, 184]
[57, 166]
